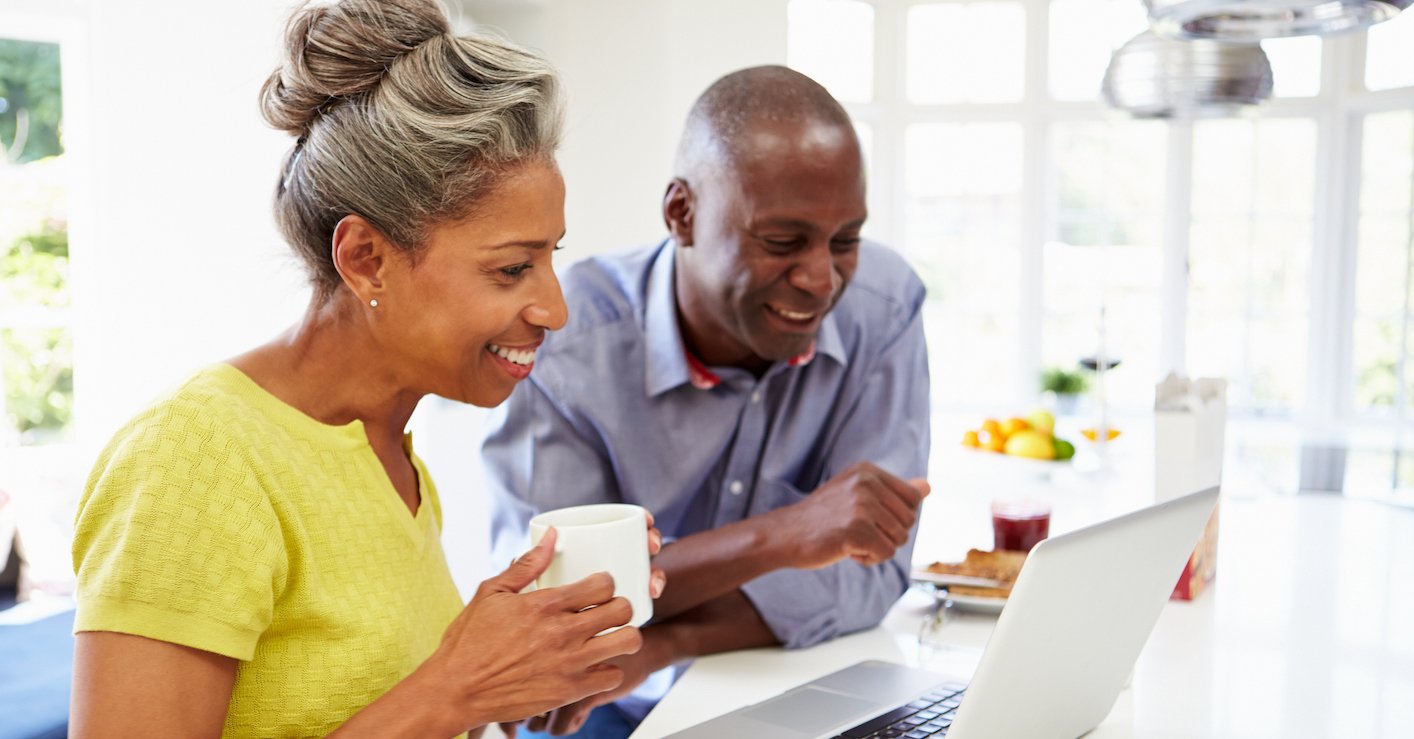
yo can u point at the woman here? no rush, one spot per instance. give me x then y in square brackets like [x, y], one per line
[258, 554]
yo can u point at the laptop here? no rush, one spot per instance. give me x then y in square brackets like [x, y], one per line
[1063, 648]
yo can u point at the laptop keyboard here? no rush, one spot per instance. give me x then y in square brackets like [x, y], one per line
[929, 716]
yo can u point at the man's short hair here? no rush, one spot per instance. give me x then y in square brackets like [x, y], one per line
[734, 103]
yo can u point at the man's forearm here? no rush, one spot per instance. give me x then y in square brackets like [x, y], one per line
[704, 566]
[723, 624]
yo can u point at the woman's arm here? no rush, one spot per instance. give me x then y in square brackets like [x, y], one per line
[128, 686]
[508, 655]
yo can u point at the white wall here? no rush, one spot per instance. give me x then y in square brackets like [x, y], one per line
[177, 262]
[632, 69]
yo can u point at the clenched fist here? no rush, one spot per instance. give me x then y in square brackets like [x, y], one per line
[863, 513]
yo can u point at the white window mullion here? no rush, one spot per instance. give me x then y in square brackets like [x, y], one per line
[1329, 378]
[1401, 394]
[1178, 218]
[1033, 198]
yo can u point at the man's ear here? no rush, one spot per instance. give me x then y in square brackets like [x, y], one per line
[679, 208]
[362, 255]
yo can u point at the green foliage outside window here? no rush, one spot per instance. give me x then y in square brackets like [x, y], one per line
[36, 361]
[35, 271]
[31, 107]
[39, 381]
[1062, 381]
[36, 345]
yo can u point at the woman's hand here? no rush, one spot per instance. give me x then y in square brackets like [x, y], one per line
[655, 655]
[510, 654]
[659, 578]
[635, 668]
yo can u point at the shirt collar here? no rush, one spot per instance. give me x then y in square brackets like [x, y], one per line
[668, 364]
[703, 378]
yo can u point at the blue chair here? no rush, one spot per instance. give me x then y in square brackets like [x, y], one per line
[36, 670]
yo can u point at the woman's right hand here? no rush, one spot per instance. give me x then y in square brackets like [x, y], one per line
[510, 655]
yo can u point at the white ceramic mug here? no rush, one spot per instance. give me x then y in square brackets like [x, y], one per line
[608, 537]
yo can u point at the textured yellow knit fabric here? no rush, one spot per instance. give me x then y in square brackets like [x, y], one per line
[225, 520]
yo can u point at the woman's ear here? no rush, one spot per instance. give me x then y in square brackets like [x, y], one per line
[362, 254]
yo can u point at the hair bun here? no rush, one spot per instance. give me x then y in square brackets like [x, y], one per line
[340, 50]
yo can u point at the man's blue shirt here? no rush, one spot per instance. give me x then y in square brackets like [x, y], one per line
[609, 414]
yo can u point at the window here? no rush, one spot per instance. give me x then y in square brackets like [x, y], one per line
[1382, 289]
[1296, 65]
[833, 42]
[1251, 247]
[1387, 64]
[1106, 251]
[36, 342]
[1382, 373]
[1083, 35]
[1249, 252]
[37, 465]
[966, 52]
[963, 233]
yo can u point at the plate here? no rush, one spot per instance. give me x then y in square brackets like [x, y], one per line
[977, 603]
[971, 603]
[924, 575]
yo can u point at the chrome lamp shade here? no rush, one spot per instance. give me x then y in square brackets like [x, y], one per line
[1153, 77]
[1252, 20]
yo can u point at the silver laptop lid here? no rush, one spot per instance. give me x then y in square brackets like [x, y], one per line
[1071, 631]
[1076, 621]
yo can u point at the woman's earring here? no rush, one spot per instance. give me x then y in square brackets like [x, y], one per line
[373, 303]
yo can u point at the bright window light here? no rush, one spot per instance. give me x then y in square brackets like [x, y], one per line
[1084, 33]
[966, 53]
[832, 41]
[1389, 60]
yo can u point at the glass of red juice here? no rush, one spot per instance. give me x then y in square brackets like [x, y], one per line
[1020, 525]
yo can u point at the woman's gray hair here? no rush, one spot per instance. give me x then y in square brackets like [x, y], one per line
[398, 121]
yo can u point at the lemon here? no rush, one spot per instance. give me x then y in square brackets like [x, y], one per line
[1042, 420]
[1013, 425]
[970, 439]
[1031, 444]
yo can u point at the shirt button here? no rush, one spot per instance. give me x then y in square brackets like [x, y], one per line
[735, 487]
[756, 397]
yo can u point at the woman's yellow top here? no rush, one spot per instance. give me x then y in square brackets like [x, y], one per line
[225, 520]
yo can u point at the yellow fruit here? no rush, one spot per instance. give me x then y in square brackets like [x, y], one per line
[970, 439]
[1092, 433]
[1013, 425]
[1031, 444]
[1042, 420]
[994, 442]
[991, 426]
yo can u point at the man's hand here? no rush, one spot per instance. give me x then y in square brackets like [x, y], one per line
[655, 655]
[864, 514]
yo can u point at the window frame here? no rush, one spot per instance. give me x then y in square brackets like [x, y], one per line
[1327, 415]
[63, 28]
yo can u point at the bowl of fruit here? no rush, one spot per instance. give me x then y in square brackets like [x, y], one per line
[1031, 437]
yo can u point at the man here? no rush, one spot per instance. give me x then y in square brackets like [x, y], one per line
[775, 423]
